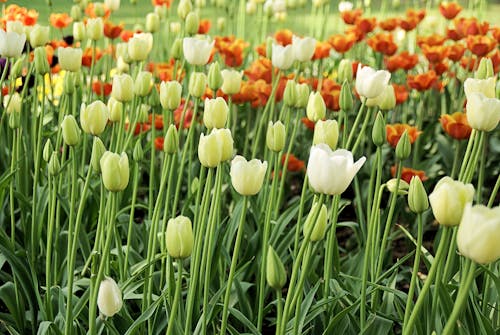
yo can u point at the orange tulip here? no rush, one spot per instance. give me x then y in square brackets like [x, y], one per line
[404, 60]
[111, 30]
[449, 9]
[90, 11]
[453, 34]
[322, 50]
[231, 49]
[423, 81]
[480, 45]
[159, 143]
[342, 42]
[431, 40]
[456, 125]
[470, 26]
[383, 43]
[350, 16]
[389, 24]
[455, 51]
[401, 93]
[102, 89]
[408, 173]
[496, 33]
[308, 123]
[204, 26]
[366, 24]
[87, 56]
[408, 23]
[283, 37]
[418, 14]
[161, 3]
[396, 130]
[60, 20]
[439, 68]
[294, 164]
[260, 69]
[435, 54]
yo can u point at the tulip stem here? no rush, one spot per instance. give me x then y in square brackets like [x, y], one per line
[494, 192]
[297, 292]
[354, 131]
[331, 257]
[279, 307]
[467, 155]
[299, 216]
[177, 299]
[360, 135]
[234, 262]
[92, 65]
[131, 217]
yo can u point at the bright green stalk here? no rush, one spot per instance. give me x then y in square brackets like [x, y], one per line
[354, 129]
[177, 299]
[330, 245]
[131, 218]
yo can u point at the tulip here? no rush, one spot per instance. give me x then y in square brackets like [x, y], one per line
[209, 150]
[122, 52]
[98, 149]
[70, 130]
[48, 149]
[247, 176]
[12, 103]
[123, 88]
[326, 132]
[290, 93]
[485, 69]
[345, 71]
[39, 36]
[113, 5]
[417, 197]
[115, 109]
[197, 84]
[215, 114]
[231, 81]
[115, 171]
[214, 77]
[319, 226]
[448, 200]
[197, 51]
[345, 6]
[94, 117]
[282, 57]
[484, 86]
[179, 237]
[143, 83]
[171, 140]
[176, 49]
[371, 83]
[109, 297]
[316, 108]
[139, 46]
[122, 66]
[302, 95]
[483, 113]
[54, 165]
[275, 137]
[79, 31]
[152, 23]
[170, 94]
[403, 148]
[379, 131]
[402, 189]
[11, 44]
[331, 172]
[385, 101]
[345, 100]
[192, 23]
[303, 48]
[479, 233]
[184, 8]
[15, 27]
[226, 142]
[95, 29]
[275, 271]
[70, 59]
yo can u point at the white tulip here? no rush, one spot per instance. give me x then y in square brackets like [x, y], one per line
[11, 43]
[482, 113]
[371, 83]
[70, 59]
[282, 57]
[303, 48]
[484, 86]
[448, 200]
[247, 176]
[109, 297]
[197, 51]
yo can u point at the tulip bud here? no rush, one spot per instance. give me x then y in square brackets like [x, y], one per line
[403, 148]
[154, 98]
[215, 79]
[69, 83]
[215, 114]
[39, 36]
[319, 226]
[221, 23]
[275, 271]
[378, 131]
[302, 95]
[15, 27]
[226, 142]
[171, 140]
[175, 27]
[139, 46]
[143, 83]
[345, 100]
[41, 64]
[345, 71]
[122, 52]
[448, 200]
[98, 149]
[483, 113]
[12, 103]
[14, 120]
[417, 197]
[143, 113]
[115, 109]
[485, 69]
[231, 81]
[138, 153]
[192, 23]
[402, 189]
[209, 150]
[70, 130]
[161, 11]
[95, 29]
[109, 297]
[176, 49]
[197, 84]
[385, 101]
[316, 108]
[94, 117]
[170, 95]
[17, 68]
[115, 171]
[179, 237]
[123, 88]
[54, 166]
[75, 13]
[70, 59]
[152, 23]
[184, 8]
[48, 149]
[326, 132]
[275, 137]
[247, 177]
[290, 94]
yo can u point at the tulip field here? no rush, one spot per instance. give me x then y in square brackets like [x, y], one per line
[249, 167]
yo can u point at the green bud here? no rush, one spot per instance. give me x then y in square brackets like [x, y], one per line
[403, 148]
[195, 185]
[378, 131]
[41, 64]
[402, 189]
[138, 153]
[176, 49]
[316, 108]
[152, 22]
[326, 132]
[269, 47]
[417, 197]
[12, 103]
[115, 171]
[275, 137]
[170, 94]
[98, 149]
[215, 79]
[69, 82]
[319, 226]
[154, 98]
[197, 84]
[192, 23]
[302, 95]
[48, 149]
[290, 93]
[275, 271]
[171, 140]
[143, 83]
[143, 113]
[184, 8]
[345, 71]
[115, 108]
[14, 120]
[99, 9]
[39, 36]
[215, 113]
[75, 13]
[54, 165]
[17, 68]
[485, 69]
[70, 130]
[179, 237]
[345, 100]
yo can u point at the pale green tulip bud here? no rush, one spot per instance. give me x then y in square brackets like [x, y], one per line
[70, 130]
[209, 150]
[344, 71]
[231, 81]
[121, 66]
[115, 109]
[275, 271]
[17, 68]
[319, 226]
[302, 95]
[113, 5]
[378, 131]
[69, 83]
[275, 137]
[143, 115]
[14, 120]
[75, 13]
[12, 103]
[192, 23]
[70, 59]
[345, 100]
[215, 79]
[171, 140]
[170, 95]
[179, 237]
[79, 31]
[485, 69]
[154, 98]
[98, 149]
[139, 46]
[197, 84]
[143, 83]
[402, 189]
[176, 49]
[152, 23]
[161, 11]
[54, 166]
[226, 142]
[99, 9]
[123, 88]
[109, 297]
[94, 117]
[39, 36]
[247, 177]
[41, 64]
[184, 8]
[316, 108]
[326, 132]
[122, 52]
[417, 197]
[448, 200]
[215, 113]
[138, 153]
[403, 148]
[115, 171]
[290, 93]
[48, 149]
[95, 29]
[221, 23]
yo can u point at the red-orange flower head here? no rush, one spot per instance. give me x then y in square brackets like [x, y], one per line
[495, 32]
[470, 26]
[91, 12]
[60, 20]
[204, 26]
[366, 24]
[322, 50]
[350, 16]
[408, 23]
[434, 54]
[480, 45]
[456, 125]
[112, 30]
[408, 173]
[455, 51]
[102, 89]
[18, 13]
[389, 24]
[396, 130]
[383, 43]
[260, 69]
[403, 60]
[294, 164]
[418, 14]
[283, 37]
[423, 81]
[431, 40]
[449, 9]
[231, 49]
[161, 3]
[87, 56]
[401, 93]
[342, 42]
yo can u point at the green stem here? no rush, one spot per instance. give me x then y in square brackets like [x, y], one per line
[360, 136]
[330, 246]
[177, 299]
[132, 215]
[296, 301]
[354, 129]
[279, 308]
[13, 160]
